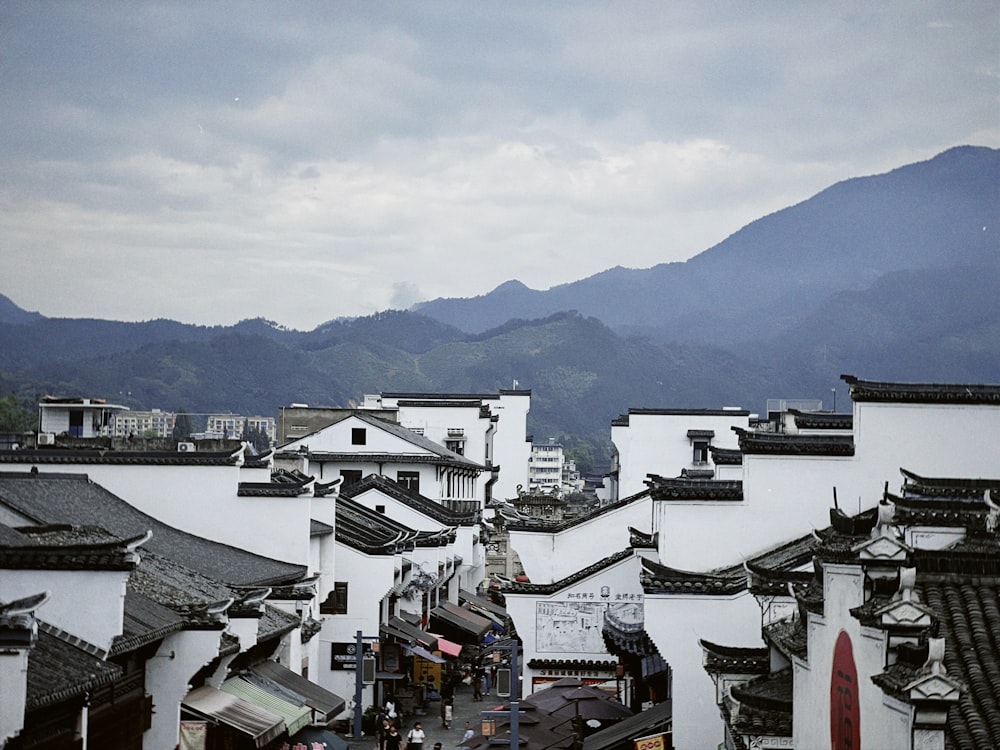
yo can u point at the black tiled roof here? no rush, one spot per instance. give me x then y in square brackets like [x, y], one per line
[78, 456]
[921, 393]
[369, 531]
[765, 706]
[735, 659]
[67, 548]
[433, 510]
[789, 637]
[59, 670]
[551, 588]
[549, 527]
[726, 456]
[49, 498]
[819, 420]
[685, 488]
[795, 445]
[145, 622]
[662, 579]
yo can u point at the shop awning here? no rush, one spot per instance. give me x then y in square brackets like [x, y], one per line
[295, 716]
[262, 725]
[461, 619]
[449, 647]
[482, 602]
[423, 653]
[417, 636]
[407, 633]
[318, 698]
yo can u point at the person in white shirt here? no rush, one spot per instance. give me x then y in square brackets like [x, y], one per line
[415, 737]
[469, 734]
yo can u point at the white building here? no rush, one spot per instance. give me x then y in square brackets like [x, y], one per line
[786, 484]
[75, 417]
[488, 428]
[545, 467]
[132, 423]
[669, 442]
[359, 444]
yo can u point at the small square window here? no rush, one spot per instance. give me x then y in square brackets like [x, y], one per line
[359, 436]
[351, 476]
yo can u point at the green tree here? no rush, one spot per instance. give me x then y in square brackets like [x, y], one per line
[182, 426]
[15, 415]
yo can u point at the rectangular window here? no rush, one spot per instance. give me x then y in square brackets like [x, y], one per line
[455, 446]
[358, 436]
[336, 601]
[700, 452]
[409, 479]
[351, 476]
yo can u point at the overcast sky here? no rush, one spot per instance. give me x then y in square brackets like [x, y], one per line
[210, 162]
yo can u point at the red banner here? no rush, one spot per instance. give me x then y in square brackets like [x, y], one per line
[845, 705]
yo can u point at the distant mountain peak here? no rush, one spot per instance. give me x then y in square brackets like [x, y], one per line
[14, 315]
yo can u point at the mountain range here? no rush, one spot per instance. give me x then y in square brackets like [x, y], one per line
[893, 276]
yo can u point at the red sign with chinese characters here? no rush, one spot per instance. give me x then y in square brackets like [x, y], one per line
[845, 706]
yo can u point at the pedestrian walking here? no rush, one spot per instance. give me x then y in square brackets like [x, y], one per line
[393, 740]
[477, 687]
[447, 708]
[415, 737]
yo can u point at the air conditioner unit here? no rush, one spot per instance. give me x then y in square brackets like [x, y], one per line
[185, 447]
[46, 438]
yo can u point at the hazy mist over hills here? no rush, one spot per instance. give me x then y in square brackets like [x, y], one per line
[887, 277]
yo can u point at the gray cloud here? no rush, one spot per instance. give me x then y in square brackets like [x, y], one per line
[175, 159]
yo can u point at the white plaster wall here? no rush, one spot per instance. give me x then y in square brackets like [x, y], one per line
[322, 548]
[783, 498]
[369, 577]
[676, 623]
[435, 421]
[510, 447]
[548, 558]
[883, 725]
[86, 603]
[336, 438]
[930, 440]
[13, 688]
[168, 676]
[658, 444]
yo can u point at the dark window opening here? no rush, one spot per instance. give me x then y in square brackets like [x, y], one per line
[700, 452]
[351, 476]
[409, 479]
[76, 422]
[359, 436]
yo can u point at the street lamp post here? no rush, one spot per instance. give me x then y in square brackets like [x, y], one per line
[359, 679]
[488, 717]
